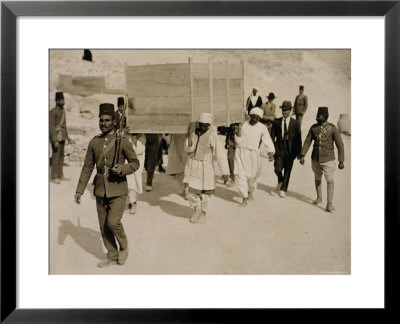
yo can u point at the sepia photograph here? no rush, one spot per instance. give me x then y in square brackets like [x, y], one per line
[199, 161]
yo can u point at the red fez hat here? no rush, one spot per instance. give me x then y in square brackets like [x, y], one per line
[106, 109]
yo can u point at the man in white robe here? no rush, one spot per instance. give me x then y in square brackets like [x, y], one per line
[247, 155]
[202, 145]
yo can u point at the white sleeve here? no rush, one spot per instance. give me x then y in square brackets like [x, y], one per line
[267, 141]
[188, 148]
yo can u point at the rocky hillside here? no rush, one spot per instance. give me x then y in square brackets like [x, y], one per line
[325, 74]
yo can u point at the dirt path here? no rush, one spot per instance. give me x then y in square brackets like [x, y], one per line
[270, 236]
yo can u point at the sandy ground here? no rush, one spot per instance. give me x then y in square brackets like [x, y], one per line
[270, 236]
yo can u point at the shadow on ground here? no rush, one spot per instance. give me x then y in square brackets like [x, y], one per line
[88, 239]
[292, 194]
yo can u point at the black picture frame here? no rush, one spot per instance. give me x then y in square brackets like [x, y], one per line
[11, 10]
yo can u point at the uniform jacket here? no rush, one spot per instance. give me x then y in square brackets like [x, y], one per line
[323, 137]
[300, 104]
[106, 184]
[56, 114]
[294, 137]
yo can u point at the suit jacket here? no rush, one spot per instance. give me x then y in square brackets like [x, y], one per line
[300, 104]
[106, 184]
[294, 137]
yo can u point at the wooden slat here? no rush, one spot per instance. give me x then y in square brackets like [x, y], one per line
[227, 92]
[169, 105]
[210, 86]
[158, 123]
[161, 72]
[191, 90]
[200, 70]
[158, 89]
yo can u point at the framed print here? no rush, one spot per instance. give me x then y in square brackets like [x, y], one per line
[234, 248]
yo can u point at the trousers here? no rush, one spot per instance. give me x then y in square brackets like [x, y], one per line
[109, 212]
[57, 160]
[198, 200]
[151, 156]
[283, 162]
[245, 184]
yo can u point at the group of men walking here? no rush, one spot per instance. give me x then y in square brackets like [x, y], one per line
[280, 136]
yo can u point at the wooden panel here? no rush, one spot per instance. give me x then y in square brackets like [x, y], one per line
[174, 123]
[161, 72]
[158, 80]
[158, 89]
[200, 70]
[160, 105]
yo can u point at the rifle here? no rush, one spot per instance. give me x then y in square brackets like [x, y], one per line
[118, 135]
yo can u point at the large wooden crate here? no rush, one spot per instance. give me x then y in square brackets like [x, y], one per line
[165, 98]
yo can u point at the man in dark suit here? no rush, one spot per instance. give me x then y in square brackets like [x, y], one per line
[110, 184]
[286, 135]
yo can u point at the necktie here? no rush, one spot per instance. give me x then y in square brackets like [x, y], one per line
[285, 129]
[285, 136]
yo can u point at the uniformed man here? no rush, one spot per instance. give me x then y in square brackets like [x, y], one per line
[300, 104]
[324, 134]
[58, 137]
[110, 184]
[119, 114]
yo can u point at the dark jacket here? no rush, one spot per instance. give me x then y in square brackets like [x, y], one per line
[54, 123]
[106, 184]
[294, 137]
[323, 137]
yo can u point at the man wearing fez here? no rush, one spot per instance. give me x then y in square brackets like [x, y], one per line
[58, 136]
[300, 104]
[110, 184]
[119, 114]
[323, 156]
[202, 145]
[286, 135]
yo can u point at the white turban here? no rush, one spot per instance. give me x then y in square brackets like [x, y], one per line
[206, 118]
[256, 111]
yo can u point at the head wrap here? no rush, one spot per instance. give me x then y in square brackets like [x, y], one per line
[59, 96]
[323, 111]
[120, 101]
[106, 109]
[257, 111]
[206, 118]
